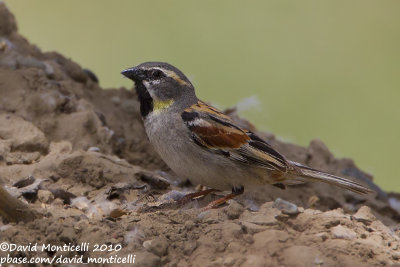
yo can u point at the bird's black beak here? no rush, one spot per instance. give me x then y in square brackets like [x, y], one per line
[134, 73]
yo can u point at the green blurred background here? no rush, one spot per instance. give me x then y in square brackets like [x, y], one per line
[319, 69]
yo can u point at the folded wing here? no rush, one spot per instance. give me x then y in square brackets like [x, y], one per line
[215, 131]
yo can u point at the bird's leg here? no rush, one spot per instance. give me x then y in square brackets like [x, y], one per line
[185, 199]
[235, 192]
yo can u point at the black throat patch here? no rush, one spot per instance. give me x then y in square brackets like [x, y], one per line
[146, 102]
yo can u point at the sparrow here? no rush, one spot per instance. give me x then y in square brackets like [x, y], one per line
[203, 145]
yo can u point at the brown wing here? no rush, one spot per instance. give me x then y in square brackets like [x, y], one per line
[216, 132]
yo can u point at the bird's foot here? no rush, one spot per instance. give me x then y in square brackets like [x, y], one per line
[236, 191]
[189, 197]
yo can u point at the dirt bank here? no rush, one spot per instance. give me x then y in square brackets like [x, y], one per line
[78, 154]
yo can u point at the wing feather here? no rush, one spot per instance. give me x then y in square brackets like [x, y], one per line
[215, 131]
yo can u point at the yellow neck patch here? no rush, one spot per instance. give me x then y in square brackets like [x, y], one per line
[158, 104]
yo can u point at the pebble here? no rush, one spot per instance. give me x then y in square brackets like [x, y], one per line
[234, 210]
[116, 100]
[5, 44]
[210, 216]
[5, 227]
[81, 203]
[49, 70]
[189, 225]
[343, 232]
[158, 247]
[232, 230]
[116, 213]
[248, 238]
[93, 149]
[286, 207]
[396, 255]
[364, 215]
[58, 202]
[189, 247]
[172, 195]
[30, 62]
[24, 182]
[45, 196]
[252, 228]
[154, 180]
[264, 219]
[63, 195]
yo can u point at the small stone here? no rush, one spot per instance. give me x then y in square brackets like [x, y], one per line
[211, 216]
[248, 238]
[49, 70]
[189, 225]
[189, 247]
[232, 230]
[58, 202]
[116, 100]
[65, 196]
[332, 223]
[24, 182]
[5, 227]
[322, 236]
[3, 45]
[286, 207]
[264, 219]
[234, 210]
[252, 228]
[313, 201]
[154, 180]
[116, 213]
[343, 232]
[233, 247]
[396, 256]
[30, 62]
[45, 196]
[172, 195]
[81, 203]
[156, 246]
[93, 149]
[364, 215]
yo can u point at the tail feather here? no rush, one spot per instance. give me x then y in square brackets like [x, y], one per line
[309, 174]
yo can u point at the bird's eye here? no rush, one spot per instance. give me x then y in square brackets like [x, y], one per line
[156, 74]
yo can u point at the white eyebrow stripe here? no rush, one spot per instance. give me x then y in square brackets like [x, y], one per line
[171, 74]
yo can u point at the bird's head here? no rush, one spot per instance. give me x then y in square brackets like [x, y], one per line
[159, 85]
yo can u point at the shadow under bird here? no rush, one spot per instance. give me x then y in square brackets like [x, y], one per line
[205, 146]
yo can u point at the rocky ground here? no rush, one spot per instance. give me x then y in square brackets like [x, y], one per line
[79, 156]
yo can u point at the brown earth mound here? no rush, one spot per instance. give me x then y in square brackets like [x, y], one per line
[79, 156]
